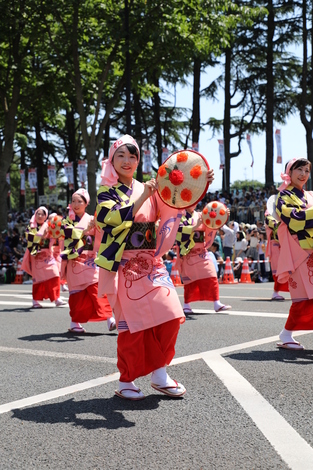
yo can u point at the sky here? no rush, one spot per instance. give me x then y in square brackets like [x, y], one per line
[293, 140]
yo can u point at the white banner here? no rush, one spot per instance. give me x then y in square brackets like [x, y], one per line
[22, 173]
[165, 154]
[146, 164]
[7, 177]
[42, 200]
[222, 153]
[69, 173]
[32, 179]
[195, 146]
[82, 171]
[52, 176]
[250, 148]
[278, 146]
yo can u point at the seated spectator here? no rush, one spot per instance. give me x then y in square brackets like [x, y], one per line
[214, 248]
[238, 268]
[168, 261]
[7, 267]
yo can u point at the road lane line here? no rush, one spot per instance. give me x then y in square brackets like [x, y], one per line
[43, 353]
[291, 447]
[242, 313]
[61, 392]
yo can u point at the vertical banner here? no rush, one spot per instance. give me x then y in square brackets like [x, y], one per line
[32, 179]
[22, 173]
[52, 176]
[250, 148]
[7, 177]
[82, 172]
[146, 164]
[278, 146]
[165, 154]
[222, 153]
[195, 146]
[69, 173]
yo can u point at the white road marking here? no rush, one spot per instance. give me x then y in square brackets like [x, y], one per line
[242, 313]
[37, 352]
[292, 448]
[61, 392]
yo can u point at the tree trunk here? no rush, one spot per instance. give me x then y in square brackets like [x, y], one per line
[138, 133]
[91, 177]
[269, 174]
[196, 101]
[227, 111]
[22, 197]
[39, 161]
[157, 121]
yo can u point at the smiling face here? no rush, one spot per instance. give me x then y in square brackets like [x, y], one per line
[78, 205]
[299, 176]
[40, 217]
[125, 164]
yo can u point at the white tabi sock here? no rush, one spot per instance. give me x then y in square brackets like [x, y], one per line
[127, 385]
[217, 305]
[286, 336]
[160, 377]
[74, 324]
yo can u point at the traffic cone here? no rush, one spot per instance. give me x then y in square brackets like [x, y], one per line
[228, 276]
[175, 275]
[245, 277]
[19, 274]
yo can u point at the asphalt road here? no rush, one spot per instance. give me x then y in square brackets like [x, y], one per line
[248, 404]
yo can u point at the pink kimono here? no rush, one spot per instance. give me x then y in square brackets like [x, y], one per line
[197, 268]
[141, 292]
[39, 262]
[295, 264]
[81, 272]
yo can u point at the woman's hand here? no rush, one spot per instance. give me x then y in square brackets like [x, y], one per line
[210, 176]
[90, 227]
[150, 187]
[228, 212]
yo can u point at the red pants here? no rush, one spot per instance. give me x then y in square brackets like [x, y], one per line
[204, 289]
[49, 289]
[278, 287]
[300, 316]
[85, 306]
[139, 354]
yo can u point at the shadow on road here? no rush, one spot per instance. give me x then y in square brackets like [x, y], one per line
[280, 355]
[89, 414]
[62, 337]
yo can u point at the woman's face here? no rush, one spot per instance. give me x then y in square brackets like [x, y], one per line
[299, 176]
[125, 164]
[40, 217]
[78, 205]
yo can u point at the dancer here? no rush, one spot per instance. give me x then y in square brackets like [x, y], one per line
[39, 262]
[272, 252]
[79, 269]
[295, 209]
[146, 305]
[57, 243]
[196, 267]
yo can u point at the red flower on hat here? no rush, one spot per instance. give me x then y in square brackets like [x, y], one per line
[166, 193]
[176, 177]
[182, 157]
[186, 195]
[196, 171]
[162, 171]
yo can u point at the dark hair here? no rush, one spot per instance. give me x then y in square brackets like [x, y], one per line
[298, 163]
[132, 150]
[241, 235]
[215, 244]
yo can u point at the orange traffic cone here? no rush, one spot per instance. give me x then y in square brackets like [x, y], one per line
[19, 274]
[175, 275]
[228, 276]
[245, 277]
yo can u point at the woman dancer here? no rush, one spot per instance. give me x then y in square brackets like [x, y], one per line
[146, 306]
[197, 269]
[295, 209]
[39, 261]
[79, 268]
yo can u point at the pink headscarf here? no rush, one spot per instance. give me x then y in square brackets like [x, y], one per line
[286, 176]
[80, 192]
[33, 222]
[108, 173]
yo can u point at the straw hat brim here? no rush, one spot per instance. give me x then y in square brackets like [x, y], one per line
[214, 215]
[182, 179]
